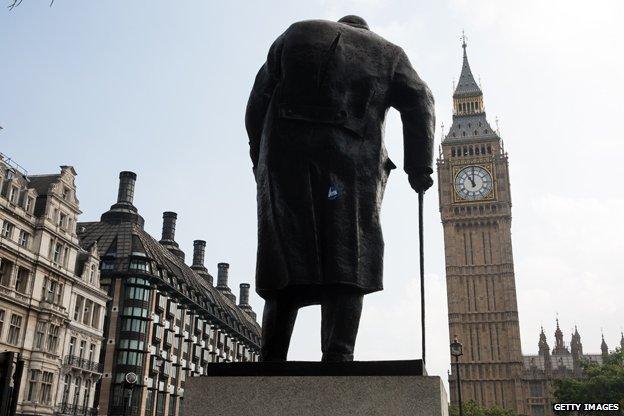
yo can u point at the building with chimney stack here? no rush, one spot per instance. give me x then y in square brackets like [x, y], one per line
[166, 320]
[51, 304]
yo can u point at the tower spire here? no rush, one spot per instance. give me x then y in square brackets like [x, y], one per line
[467, 86]
[604, 348]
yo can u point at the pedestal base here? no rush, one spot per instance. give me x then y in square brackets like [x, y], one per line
[319, 394]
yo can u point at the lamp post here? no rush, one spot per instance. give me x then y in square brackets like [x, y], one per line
[456, 351]
[130, 381]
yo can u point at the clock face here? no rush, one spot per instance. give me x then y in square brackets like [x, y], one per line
[473, 183]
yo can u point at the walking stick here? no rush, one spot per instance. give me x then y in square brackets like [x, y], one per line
[422, 272]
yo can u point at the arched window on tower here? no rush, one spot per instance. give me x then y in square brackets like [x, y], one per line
[482, 149]
[471, 151]
[453, 152]
[489, 149]
[477, 150]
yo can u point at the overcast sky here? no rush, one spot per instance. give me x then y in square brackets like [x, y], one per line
[160, 88]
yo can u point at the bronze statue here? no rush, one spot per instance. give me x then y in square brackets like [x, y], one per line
[315, 124]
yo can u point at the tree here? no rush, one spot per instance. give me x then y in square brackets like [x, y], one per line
[601, 383]
[471, 408]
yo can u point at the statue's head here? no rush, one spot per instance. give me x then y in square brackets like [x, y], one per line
[355, 21]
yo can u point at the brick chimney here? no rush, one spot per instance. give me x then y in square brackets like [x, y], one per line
[243, 301]
[199, 251]
[168, 234]
[222, 281]
[125, 193]
[124, 210]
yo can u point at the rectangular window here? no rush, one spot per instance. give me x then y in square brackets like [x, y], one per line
[53, 338]
[95, 323]
[86, 317]
[29, 204]
[62, 220]
[2, 312]
[78, 308]
[46, 387]
[24, 239]
[172, 405]
[49, 290]
[91, 352]
[13, 194]
[39, 335]
[72, 345]
[92, 273]
[56, 257]
[7, 229]
[58, 294]
[21, 283]
[15, 328]
[33, 381]
[83, 346]
[65, 256]
[6, 269]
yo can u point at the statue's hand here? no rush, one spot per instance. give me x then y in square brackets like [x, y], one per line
[420, 182]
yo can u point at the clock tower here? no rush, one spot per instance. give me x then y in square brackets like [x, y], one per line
[475, 206]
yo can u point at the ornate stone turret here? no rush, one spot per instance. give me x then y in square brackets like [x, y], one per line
[576, 346]
[544, 351]
[622, 341]
[560, 347]
[604, 348]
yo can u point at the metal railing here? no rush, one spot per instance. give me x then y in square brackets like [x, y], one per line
[72, 409]
[83, 363]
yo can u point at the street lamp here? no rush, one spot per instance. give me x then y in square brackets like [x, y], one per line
[456, 351]
[130, 381]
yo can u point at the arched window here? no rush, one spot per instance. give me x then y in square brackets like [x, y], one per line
[464, 133]
[489, 149]
[482, 149]
[453, 152]
[471, 151]
[477, 150]
[475, 133]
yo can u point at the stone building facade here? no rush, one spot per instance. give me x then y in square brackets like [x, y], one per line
[43, 271]
[475, 206]
[166, 320]
[563, 361]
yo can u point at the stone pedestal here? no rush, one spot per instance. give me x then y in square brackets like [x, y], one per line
[362, 389]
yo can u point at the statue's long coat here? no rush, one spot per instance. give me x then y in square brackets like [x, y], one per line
[315, 123]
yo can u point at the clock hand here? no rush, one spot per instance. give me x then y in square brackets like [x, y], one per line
[471, 179]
